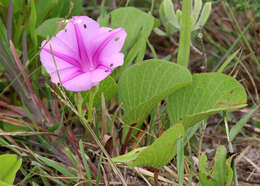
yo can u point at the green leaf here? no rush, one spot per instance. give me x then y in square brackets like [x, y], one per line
[241, 123]
[196, 9]
[4, 3]
[204, 174]
[220, 169]
[206, 180]
[203, 164]
[108, 87]
[229, 170]
[156, 155]
[133, 21]
[168, 17]
[4, 184]
[63, 6]
[32, 23]
[3, 35]
[3, 39]
[203, 16]
[128, 157]
[209, 94]
[9, 165]
[43, 9]
[49, 27]
[137, 51]
[162, 150]
[143, 85]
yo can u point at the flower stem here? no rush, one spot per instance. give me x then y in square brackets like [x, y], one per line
[79, 102]
[185, 34]
[92, 94]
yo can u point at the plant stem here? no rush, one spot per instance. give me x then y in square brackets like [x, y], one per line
[92, 94]
[180, 161]
[152, 7]
[156, 174]
[227, 133]
[230, 150]
[185, 35]
[79, 101]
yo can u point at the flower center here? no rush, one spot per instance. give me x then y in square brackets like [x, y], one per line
[87, 66]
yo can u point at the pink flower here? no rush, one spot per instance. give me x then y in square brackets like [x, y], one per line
[84, 53]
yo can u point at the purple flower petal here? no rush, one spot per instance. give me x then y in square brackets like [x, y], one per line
[82, 82]
[112, 61]
[100, 73]
[100, 35]
[62, 56]
[49, 64]
[64, 42]
[85, 81]
[84, 53]
[65, 75]
[111, 46]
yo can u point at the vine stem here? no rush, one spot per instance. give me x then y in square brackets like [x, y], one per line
[185, 33]
[227, 133]
[231, 150]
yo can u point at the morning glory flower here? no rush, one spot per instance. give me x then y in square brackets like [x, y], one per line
[84, 53]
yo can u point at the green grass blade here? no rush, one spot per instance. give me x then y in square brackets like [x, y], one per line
[228, 60]
[241, 123]
[85, 163]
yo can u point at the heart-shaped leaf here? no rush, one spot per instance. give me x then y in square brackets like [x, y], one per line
[4, 184]
[9, 165]
[143, 85]
[133, 21]
[156, 155]
[208, 94]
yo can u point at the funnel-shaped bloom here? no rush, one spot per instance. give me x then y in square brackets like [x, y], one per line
[84, 53]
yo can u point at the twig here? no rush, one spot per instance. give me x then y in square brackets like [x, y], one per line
[205, 64]
[156, 172]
